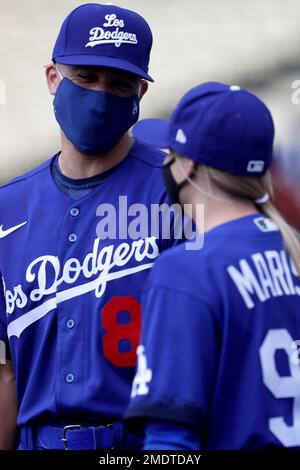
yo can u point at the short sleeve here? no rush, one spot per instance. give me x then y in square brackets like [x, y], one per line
[166, 435]
[177, 359]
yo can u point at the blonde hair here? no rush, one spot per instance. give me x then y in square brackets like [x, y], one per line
[255, 187]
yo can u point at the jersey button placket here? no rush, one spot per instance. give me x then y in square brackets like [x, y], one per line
[68, 349]
[72, 237]
[74, 212]
[70, 378]
[70, 323]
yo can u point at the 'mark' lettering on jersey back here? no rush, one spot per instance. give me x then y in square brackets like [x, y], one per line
[267, 274]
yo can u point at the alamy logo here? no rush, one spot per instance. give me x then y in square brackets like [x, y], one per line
[180, 137]
[2, 352]
[113, 35]
[2, 92]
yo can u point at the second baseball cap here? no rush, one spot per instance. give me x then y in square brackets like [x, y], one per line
[225, 127]
[107, 36]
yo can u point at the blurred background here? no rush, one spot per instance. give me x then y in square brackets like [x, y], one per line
[252, 43]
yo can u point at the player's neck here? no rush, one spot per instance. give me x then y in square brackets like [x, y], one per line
[218, 213]
[77, 165]
[219, 206]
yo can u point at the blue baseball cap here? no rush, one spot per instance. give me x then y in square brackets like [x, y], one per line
[106, 36]
[222, 126]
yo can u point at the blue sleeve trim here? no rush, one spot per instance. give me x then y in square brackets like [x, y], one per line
[166, 435]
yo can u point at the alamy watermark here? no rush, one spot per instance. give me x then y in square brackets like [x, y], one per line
[2, 352]
[162, 221]
[2, 92]
[295, 97]
[295, 356]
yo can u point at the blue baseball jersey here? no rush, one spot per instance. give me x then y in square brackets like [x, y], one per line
[219, 349]
[70, 298]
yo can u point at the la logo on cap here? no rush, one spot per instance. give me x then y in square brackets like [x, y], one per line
[110, 33]
[135, 108]
[181, 137]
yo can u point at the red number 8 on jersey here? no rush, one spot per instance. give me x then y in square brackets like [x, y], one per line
[115, 331]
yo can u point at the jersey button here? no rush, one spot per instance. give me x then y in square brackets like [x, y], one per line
[70, 323]
[72, 237]
[74, 211]
[70, 378]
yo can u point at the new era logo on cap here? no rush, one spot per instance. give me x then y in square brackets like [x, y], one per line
[181, 137]
[255, 166]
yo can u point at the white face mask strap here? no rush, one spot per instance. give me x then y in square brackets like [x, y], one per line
[139, 89]
[208, 193]
[263, 200]
[58, 69]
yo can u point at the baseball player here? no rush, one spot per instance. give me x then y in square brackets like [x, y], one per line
[219, 355]
[71, 267]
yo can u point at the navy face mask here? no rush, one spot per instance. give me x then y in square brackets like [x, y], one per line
[94, 121]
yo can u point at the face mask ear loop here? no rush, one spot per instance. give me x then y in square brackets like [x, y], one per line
[139, 90]
[60, 74]
[199, 189]
[192, 183]
[210, 191]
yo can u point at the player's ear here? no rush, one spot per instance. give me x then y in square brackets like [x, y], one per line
[143, 88]
[53, 78]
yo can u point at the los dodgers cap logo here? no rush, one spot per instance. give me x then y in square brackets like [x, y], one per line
[111, 32]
